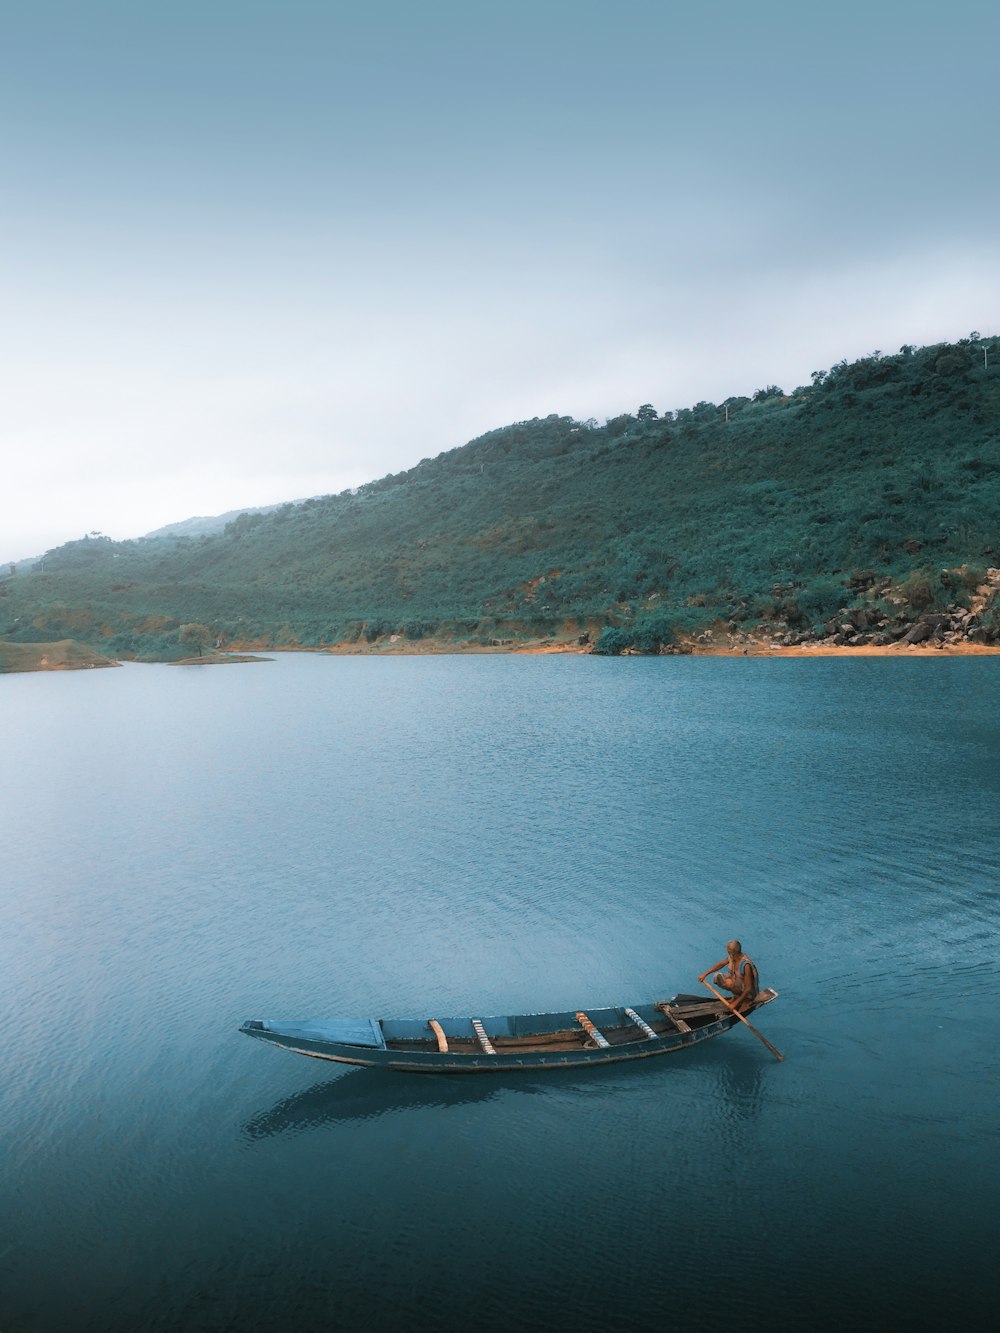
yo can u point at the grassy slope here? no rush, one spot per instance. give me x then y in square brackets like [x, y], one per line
[65, 655]
[782, 513]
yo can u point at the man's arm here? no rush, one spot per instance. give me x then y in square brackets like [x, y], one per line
[714, 968]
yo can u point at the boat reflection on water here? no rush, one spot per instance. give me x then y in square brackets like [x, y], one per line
[364, 1094]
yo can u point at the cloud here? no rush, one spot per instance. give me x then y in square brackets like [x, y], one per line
[158, 419]
[253, 261]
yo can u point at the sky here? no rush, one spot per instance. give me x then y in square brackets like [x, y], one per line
[256, 250]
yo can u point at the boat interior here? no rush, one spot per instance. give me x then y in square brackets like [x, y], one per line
[569, 1031]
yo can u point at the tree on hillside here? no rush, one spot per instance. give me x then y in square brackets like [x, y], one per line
[195, 636]
[619, 425]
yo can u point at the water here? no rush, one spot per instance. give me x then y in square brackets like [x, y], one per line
[182, 849]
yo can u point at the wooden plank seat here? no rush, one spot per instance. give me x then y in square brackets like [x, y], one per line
[484, 1041]
[595, 1033]
[640, 1023]
[672, 1017]
[438, 1030]
[708, 1008]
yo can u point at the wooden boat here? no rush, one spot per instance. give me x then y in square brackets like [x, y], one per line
[511, 1042]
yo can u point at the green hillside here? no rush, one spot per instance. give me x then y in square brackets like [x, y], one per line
[875, 490]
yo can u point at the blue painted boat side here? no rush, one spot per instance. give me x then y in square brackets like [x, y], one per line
[437, 1062]
[341, 1031]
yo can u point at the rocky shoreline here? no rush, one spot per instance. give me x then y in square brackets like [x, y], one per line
[885, 619]
[882, 622]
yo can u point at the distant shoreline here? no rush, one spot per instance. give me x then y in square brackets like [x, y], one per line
[438, 648]
[70, 656]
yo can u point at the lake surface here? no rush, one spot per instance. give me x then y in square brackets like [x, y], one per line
[186, 848]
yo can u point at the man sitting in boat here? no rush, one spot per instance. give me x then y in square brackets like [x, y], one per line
[740, 977]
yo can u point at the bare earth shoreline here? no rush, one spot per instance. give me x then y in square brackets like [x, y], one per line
[70, 656]
[425, 648]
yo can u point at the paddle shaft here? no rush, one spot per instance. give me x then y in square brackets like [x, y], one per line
[760, 1036]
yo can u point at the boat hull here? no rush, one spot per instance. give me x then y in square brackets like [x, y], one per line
[421, 1058]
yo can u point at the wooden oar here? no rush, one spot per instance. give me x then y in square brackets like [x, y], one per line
[760, 1036]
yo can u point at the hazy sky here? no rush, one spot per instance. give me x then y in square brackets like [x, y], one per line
[254, 250]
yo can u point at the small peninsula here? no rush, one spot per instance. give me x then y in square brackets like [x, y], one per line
[63, 655]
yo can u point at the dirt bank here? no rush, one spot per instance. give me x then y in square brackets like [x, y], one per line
[751, 648]
[840, 650]
[63, 655]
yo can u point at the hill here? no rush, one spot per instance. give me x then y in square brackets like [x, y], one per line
[186, 527]
[202, 525]
[864, 504]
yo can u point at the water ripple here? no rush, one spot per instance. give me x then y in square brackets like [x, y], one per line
[186, 850]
